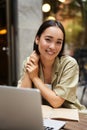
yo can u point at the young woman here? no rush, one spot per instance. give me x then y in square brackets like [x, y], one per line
[49, 70]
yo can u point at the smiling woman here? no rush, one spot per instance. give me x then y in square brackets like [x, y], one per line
[50, 43]
[47, 65]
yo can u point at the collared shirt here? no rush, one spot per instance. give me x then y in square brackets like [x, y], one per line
[65, 76]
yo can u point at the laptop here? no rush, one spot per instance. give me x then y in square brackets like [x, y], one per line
[20, 109]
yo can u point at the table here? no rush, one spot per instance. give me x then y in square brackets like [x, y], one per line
[74, 125]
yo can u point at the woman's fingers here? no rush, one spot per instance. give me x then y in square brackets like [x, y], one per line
[34, 57]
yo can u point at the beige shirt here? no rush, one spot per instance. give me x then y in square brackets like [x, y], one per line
[65, 78]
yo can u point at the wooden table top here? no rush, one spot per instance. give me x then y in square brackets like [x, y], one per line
[77, 125]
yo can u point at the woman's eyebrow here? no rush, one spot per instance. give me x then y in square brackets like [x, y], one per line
[49, 36]
[59, 39]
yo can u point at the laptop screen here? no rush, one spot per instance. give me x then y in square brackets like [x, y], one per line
[20, 109]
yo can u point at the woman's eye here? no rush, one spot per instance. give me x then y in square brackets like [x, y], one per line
[48, 40]
[59, 42]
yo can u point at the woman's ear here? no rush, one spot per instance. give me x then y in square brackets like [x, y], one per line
[37, 40]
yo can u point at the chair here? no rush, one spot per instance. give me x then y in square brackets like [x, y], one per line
[81, 57]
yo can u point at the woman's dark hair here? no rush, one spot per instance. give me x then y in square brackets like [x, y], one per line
[43, 27]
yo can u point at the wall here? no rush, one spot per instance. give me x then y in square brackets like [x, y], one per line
[29, 19]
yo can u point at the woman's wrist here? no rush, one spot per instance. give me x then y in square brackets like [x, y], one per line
[35, 79]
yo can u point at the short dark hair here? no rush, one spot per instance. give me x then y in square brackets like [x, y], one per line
[43, 27]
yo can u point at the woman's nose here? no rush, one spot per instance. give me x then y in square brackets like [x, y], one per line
[52, 46]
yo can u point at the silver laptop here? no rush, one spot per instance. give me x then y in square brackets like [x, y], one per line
[20, 109]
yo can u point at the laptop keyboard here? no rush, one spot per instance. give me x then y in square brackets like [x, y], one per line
[48, 128]
[50, 124]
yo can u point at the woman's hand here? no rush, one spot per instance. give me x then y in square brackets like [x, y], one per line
[32, 65]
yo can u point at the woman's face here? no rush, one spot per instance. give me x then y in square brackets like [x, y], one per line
[50, 43]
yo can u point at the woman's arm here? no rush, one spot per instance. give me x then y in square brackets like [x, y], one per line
[54, 100]
[25, 82]
[33, 69]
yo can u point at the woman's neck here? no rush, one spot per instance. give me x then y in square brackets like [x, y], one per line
[46, 63]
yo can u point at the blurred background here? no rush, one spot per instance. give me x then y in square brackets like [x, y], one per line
[19, 21]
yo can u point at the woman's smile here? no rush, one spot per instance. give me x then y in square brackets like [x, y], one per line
[50, 52]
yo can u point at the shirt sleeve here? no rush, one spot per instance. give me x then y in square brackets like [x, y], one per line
[23, 72]
[66, 87]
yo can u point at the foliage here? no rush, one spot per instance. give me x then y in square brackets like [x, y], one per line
[73, 29]
[75, 13]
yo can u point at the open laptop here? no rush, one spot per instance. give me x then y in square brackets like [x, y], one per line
[20, 109]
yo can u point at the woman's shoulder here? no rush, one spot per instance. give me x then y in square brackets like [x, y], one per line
[68, 59]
